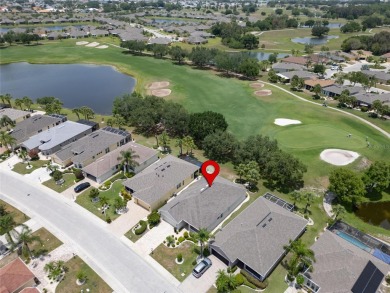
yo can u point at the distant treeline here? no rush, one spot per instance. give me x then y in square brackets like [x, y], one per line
[378, 44]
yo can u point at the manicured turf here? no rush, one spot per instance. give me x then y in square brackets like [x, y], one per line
[18, 216]
[69, 181]
[94, 283]
[49, 241]
[21, 167]
[132, 237]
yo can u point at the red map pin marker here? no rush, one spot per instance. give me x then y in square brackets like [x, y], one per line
[210, 170]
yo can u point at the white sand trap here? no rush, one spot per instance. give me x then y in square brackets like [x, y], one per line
[93, 44]
[81, 43]
[102, 47]
[161, 92]
[285, 122]
[338, 157]
[158, 85]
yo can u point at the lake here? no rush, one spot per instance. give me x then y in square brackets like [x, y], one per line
[330, 25]
[46, 28]
[313, 40]
[375, 213]
[260, 55]
[75, 85]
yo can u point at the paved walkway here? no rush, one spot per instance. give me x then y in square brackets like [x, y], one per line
[334, 109]
[327, 203]
[39, 175]
[127, 221]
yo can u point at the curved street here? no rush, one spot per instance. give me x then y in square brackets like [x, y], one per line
[122, 268]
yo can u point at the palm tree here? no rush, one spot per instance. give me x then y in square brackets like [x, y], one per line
[296, 196]
[8, 98]
[119, 120]
[164, 139]
[27, 102]
[23, 154]
[189, 143]
[302, 257]
[25, 238]
[5, 121]
[51, 167]
[317, 89]
[7, 140]
[110, 122]
[309, 198]
[179, 143]
[87, 112]
[7, 225]
[55, 269]
[127, 160]
[77, 112]
[19, 103]
[202, 236]
[338, 211]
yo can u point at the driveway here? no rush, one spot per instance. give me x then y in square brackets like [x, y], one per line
[127, 221]
[71, 194]
[119, 265]
[39, 175]
[203, 284]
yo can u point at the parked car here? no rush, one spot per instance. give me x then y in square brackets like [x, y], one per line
[201, 267]
[82, 186]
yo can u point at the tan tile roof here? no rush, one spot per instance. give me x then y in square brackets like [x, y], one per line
[295, 60]
[30, 290]
[14, 275]
[321, 82]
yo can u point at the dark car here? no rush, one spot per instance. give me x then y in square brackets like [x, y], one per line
[82, 186]
[201, 267]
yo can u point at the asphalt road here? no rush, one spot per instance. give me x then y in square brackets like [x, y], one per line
[118, 265]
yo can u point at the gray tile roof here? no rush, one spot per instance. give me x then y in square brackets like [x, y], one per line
[369, 98]
[24, 129]
[14, 114]
[200, 205]
[287, 66]
[338, 89]
[54, 136]
[156, 180]
[257, 235]
[110, 160]
[88, 146]
[299, 73]
[339, 263]
[378, 74]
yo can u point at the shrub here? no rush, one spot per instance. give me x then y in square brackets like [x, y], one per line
[143, 225]
[78, 174]
[194, 262]
[173, 245]
[185, 234]
[206, 252]
[125, 194]
[33, 154]
[239, 279]
[196, 250]
[93, 193]
[57, 175]
[388, 279]
[179, 257]
[129, 174]
[107, 183]
[300, 280]
[108, 220]
[232, 269]
[177, 242]
[363, 109]
[154, 218]
[254, 281]
[181, 239]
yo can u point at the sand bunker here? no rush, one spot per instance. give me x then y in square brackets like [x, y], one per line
[285, 122]
[338, 157]
[161, 92]
[102, 47]
[158, 85]
[94, 44]
[256, 85]
[262, 93]
[81, 43]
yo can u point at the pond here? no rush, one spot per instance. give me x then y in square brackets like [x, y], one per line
[75, 85]
[375, 213]
[46, 28]
[260, 55]
[330, 25]
[313, 40]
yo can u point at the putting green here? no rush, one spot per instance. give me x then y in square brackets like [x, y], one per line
[317, 136]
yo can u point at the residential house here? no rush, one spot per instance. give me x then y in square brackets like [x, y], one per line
[386, 56]
[288, 75]
[16, 276]
[366, 99]
[14, 114]
[255, 239]
[200, 206]
[93, 124]
[3, 106]
[34, 125]
[361, 54]
[343, 267]
[381, 76]
[109, 164]
[285, 67]
[196, 40]
[295, 60]
[91, 147]
[336, 90]
[152, 187]
[52, 140]
[202, 34]
[160, 41]
[311, 83]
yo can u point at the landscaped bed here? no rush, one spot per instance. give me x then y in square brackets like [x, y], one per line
[132, 236]
[93, 284]
[69, 179]
[166, 257]
[85, 201]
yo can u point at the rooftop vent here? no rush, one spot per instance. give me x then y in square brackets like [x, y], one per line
[270, 219]
[264, 225]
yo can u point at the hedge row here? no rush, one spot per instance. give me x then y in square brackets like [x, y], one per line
[142, 228]
[254, 281]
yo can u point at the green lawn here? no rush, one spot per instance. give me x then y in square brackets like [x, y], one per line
[69, 181]
[21, 167]
[84, 200]
[94, 283]
[134, 238]
[49, 242]
[18, 216]
[166, 257]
